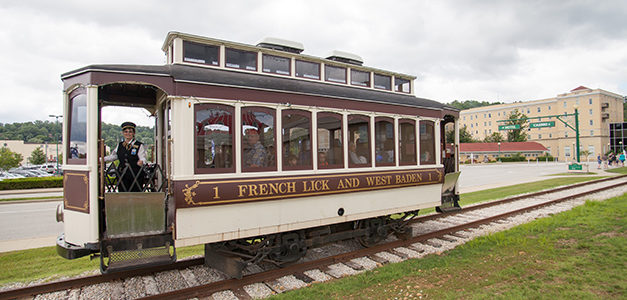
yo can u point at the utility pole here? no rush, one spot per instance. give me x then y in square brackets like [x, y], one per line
[57, 138]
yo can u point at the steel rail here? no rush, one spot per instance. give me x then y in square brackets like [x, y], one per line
[234, 284]
[95, 279]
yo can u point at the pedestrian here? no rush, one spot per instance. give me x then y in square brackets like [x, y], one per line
[622, 159]
[599, 160]
[604, 158]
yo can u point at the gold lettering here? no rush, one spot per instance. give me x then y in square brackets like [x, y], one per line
[252, 190]
[340, 185]
[242, 190]
[370, 180]
[398, 179]
[291, 187]
[305, 188]
[217, 195]
[274, 188]
[263, 189]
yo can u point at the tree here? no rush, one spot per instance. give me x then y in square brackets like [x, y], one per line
[9, 159]
[467, 104]
[517, 118]
[37, 157]
[495, 137]
[464, 136]
[585, 153]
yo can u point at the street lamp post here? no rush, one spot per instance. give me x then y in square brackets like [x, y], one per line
[499, 151]
[56, 171]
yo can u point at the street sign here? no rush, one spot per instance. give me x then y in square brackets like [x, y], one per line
[509, 127]
[574, 166]
[542, 124]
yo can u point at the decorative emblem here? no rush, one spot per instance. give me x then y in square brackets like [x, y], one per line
[189, 193]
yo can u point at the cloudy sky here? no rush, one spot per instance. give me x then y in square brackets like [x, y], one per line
[460, 50]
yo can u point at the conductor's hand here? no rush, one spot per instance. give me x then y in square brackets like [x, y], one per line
[140, 163]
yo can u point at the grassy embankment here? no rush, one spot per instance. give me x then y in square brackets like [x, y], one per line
[28, 265]
[577, 254]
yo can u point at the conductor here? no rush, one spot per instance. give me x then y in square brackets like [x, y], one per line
[132, 156]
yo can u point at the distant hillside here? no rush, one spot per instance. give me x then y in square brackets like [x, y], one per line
[47, 131]
[467, 104]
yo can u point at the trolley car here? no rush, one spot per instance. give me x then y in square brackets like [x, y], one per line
[261, 152]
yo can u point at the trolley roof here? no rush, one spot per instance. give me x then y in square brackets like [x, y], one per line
[168, 76]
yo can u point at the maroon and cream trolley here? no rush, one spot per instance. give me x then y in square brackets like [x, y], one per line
[260, 153]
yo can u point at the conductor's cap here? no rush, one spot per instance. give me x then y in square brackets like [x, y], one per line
[128, 125]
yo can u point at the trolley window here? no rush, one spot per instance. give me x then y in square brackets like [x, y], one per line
[203, 54]
[78, 130]
[258, 139]
[383, 82]
[359, 141]
[334, 74]
[406, 142]
[214, 138]
[384, 141]
[427, 142]
[401, 85]
[330, 149]
[307, 69]
[360, 78]
[240, 59]
[296, 139]
[276, 64]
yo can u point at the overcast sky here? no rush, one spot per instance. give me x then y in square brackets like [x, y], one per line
[459, 50]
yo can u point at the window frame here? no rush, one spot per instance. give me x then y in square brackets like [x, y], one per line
[389, 120]
[339, 117]
[297, 61]
[270, 111]
[368, 163]
[357, 84]
[374, 82]
[434, 160]
[285, 163]
[326, 76]
[208, 170]
[226, 61]
[289, 65]
[398, 87]
[74, 94]
[203, 45]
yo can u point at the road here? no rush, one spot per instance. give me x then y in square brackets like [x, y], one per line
[30, 225]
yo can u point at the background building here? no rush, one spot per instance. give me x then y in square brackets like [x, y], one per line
[26, 149]
[597, 109]
[484, 152]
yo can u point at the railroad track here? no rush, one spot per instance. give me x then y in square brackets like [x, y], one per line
[432, 233]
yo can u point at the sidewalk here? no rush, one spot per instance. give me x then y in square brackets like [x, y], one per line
[592, 169]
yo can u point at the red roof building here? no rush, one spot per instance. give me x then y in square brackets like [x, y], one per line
[491, 151]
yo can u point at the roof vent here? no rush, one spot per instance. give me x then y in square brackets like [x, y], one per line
[281, 45]
[345, 57]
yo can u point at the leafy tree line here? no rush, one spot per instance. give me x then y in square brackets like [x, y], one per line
[468, 104]
[48, 131]
[31, 132]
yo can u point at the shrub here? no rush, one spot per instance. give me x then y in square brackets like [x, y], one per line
[31, 183]
[515, 157]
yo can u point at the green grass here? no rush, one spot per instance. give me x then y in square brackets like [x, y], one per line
[511, 190]
[32, 198]
[573, 174]
[578, 254]
[621, 170]
[28, 265]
